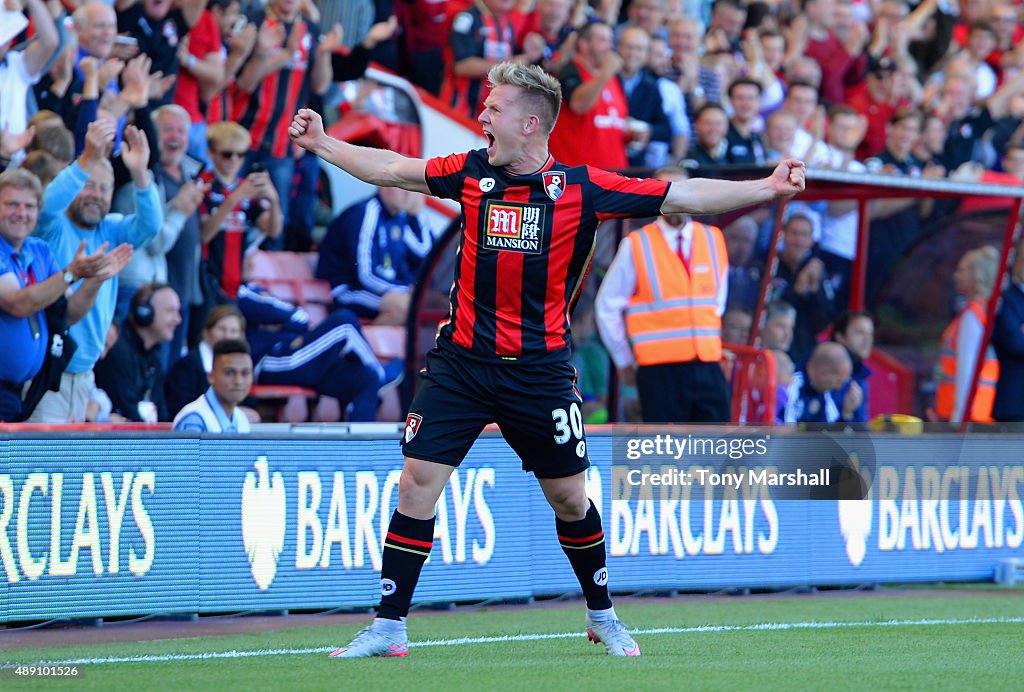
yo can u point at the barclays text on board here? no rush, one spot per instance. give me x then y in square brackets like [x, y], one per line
[93, 527]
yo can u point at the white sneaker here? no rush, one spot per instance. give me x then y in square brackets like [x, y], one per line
[372, 642]
[614, 636]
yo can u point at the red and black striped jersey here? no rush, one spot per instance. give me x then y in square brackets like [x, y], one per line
[267, 112]
[527, 242]
[225, 252]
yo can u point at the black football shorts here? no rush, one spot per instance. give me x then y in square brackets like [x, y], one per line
[537, 408]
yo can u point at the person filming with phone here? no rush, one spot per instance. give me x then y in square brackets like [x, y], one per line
[237, 214]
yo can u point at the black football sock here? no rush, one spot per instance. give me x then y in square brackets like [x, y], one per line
[406, 548]
[583, 543]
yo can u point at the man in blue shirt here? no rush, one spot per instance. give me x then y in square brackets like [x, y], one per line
[372, 254]
[31, 280]
[810, 397]
[76, 208]
[230, 381]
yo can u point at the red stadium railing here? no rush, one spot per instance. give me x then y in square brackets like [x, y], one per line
[753, 382]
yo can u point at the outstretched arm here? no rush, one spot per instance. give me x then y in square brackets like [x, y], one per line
[704, 196]
[378, 167]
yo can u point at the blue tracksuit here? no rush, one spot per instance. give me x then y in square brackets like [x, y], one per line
[334, 358]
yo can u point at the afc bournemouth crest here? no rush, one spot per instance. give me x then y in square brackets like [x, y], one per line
[412, 426]
[554, 184]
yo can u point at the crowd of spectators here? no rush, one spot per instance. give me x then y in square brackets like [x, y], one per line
[160, 126]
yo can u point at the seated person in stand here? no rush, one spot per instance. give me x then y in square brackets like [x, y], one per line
[372, 254]
[218, 410]
[809, 396]
[188, 378]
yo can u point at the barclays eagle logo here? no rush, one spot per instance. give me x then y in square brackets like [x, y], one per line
[264, 521]
[855, 517]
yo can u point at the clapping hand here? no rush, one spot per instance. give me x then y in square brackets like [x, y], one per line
[99, 141]
[117, 259]
[86, 265]
[135, 155]
[10, 144]
[189, 197]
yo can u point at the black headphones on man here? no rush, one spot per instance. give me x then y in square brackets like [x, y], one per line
[141, 310]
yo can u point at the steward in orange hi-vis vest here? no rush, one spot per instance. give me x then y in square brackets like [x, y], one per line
[945, 393]
[673, 315]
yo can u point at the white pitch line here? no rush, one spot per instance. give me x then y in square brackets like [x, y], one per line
[464, 641]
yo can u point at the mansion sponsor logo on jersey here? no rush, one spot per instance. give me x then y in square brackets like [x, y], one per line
[514, 226]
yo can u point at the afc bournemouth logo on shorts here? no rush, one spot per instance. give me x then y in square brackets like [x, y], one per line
[554, 184]
[514, 226]
[412, 426]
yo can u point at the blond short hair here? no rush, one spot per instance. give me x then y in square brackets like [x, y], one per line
[983, 263]
[543, 91]
[21, 179]
[226, 133]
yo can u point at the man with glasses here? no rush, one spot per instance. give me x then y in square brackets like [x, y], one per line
[237, 213]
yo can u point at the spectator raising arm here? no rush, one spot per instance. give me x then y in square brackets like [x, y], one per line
[46, 40]
[240, 47]
[269, 56]
[210, 70]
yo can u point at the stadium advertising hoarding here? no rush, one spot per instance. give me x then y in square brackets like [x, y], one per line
[103, 526]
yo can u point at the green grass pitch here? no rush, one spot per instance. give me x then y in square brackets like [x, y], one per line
[829, 643]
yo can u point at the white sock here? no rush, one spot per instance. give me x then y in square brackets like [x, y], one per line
[602, 615]
[389, 626]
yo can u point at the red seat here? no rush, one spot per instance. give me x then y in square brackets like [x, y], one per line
[295, 405]
[262, 265]
[386, 342]
[280, 391]
[283, 289]
[316, 291]
[293, 265]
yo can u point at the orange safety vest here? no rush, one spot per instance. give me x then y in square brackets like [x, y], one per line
[945, 393]
[673, 314]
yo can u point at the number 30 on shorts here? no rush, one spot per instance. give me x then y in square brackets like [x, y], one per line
[568, 425]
